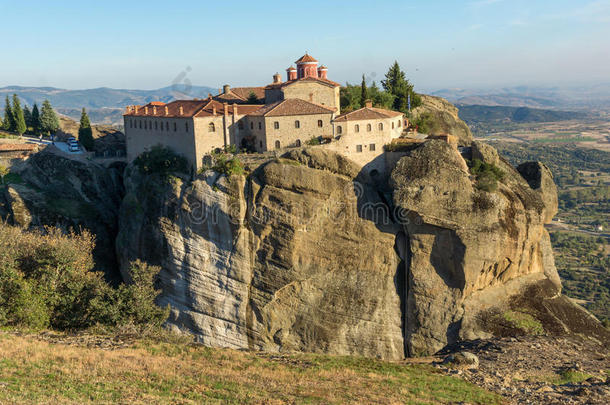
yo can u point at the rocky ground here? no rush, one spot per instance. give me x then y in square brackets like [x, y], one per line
[535, 369]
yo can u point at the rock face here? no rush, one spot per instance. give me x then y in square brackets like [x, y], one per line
[57, 191]
[282, 261]
[305, 254]
[444, 118]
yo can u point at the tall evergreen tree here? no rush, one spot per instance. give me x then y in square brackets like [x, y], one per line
[27, 114]
[35, 120]
[364, 93]
[396, 83]
[85, 134]
[393, 79]
[18, 116]
[48, 119]
[8, 123]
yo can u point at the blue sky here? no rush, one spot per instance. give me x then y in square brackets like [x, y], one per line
[469, 44]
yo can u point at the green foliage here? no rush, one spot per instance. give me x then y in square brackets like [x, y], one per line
[226, 163]
[252, 99]
[47, 279]
[8, 123]
[424, 123]
[36, 125]
[524, 321]
[487, 175]
[49, 123]
[27, 114]
[313, 141]
[85, 133]
[364, 95]
[3, 172]
[162, 160]
[18, 116]
[397, 84]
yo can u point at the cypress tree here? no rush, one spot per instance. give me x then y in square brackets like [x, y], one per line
[20, 126]
[8, 124]
[364, 93]
[393, 79]
[35, 120]
[27, 114]
[85, 134]
[48, 119]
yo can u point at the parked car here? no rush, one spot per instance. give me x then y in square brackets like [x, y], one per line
[73, 147]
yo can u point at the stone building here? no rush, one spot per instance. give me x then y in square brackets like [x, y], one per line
[286, 114]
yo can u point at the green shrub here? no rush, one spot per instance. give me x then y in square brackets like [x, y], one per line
[160, 159]
[225, 163]
[314, 141]
[487, 175]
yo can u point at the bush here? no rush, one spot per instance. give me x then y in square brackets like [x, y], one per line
[313, 141]
[225, 163]
[487, 175]
[47, 279]
[162, 160]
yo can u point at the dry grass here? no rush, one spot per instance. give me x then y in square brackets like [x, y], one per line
[33, 371]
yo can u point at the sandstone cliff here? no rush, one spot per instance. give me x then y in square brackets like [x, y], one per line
[442, 117]
[306, 254]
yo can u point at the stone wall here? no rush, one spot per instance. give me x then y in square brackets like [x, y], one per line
[288, 134]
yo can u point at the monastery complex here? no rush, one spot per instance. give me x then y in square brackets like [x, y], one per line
[283, 114]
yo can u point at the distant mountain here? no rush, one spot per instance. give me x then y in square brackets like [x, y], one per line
[473, 114]
[105, 105]
[578, 97]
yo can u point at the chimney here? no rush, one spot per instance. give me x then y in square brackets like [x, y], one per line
[234, 109]
[166, 110]
[225, 108]
[277, 78]
[154, 110]
[219, 91]
[181, 110]
[322, 72]
[145, 110]
[291, 73]
[135, 107]
[214, 110]
[226, 88]
[368, 103]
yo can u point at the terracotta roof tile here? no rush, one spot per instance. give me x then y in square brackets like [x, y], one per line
[367, 113]
[326, 82]
[190, 108]
[292, 106]
[17, 147]
[306, 58]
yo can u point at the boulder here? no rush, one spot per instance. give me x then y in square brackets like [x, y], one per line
[462, 359]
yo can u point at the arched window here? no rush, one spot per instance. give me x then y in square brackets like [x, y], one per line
[145, 124]
[357, 128]
[175, 127]
[140, 124]
[130, 123]
[298, 143]
[240, 125]
[320, 123]
[251, 125]
[211, 127]
[368, 127]
[186, 126]
[297, 124]
[156, 125]
[392, 125]
[260, 125]
[167, 126]
[381, 126]
[276, 125]
[339, 129]
[277, 144]
[399, 123]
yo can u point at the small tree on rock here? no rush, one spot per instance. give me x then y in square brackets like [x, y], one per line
[85, 133]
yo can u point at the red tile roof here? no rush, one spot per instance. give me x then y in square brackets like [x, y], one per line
[367, 113]
[292, 106]
[241, 94]
[305, 58]
[326, 82]
[190, 108]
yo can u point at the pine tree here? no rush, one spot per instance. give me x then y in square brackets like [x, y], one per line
[18, 116]
[8, 124]
[397, 84]
[393, 79]
[48, 119]
[35, 120]
[364, 94]
[85, 134]
[27, 114]
[252, 99]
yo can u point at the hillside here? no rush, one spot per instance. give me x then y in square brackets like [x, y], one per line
[474, 114]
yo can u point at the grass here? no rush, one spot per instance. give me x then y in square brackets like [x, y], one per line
[564, 140]
[524, 321]
[562, 377]
[154, 373]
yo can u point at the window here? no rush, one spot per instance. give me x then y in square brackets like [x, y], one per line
[297, 124]
[339, 129]
[261, 144]
[167, 126]
[175, 127]
[358, 148]
[240, 125]
[372, 147]
[186, 126]
[211, 127]
[156, 125]
[251, 125]
[145, 124]
[298, 143]
[392, 125]
[357, 128]
[130, 123]
[140, 124]
[277, 144]
[260, 125]
[381, 126]
[368, 127]
[399, 123]
[276, 125]
[320, 123]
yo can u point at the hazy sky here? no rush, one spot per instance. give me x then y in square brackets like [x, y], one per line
[133, 44]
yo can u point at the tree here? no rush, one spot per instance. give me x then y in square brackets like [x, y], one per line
[20, 126]
[3, 172]
[396, 83]
[48, 119]
[35, 120]
[364, 94]
[252, 99]
[85, 134]
[8, 124]
[27, 114]
[393, 78]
